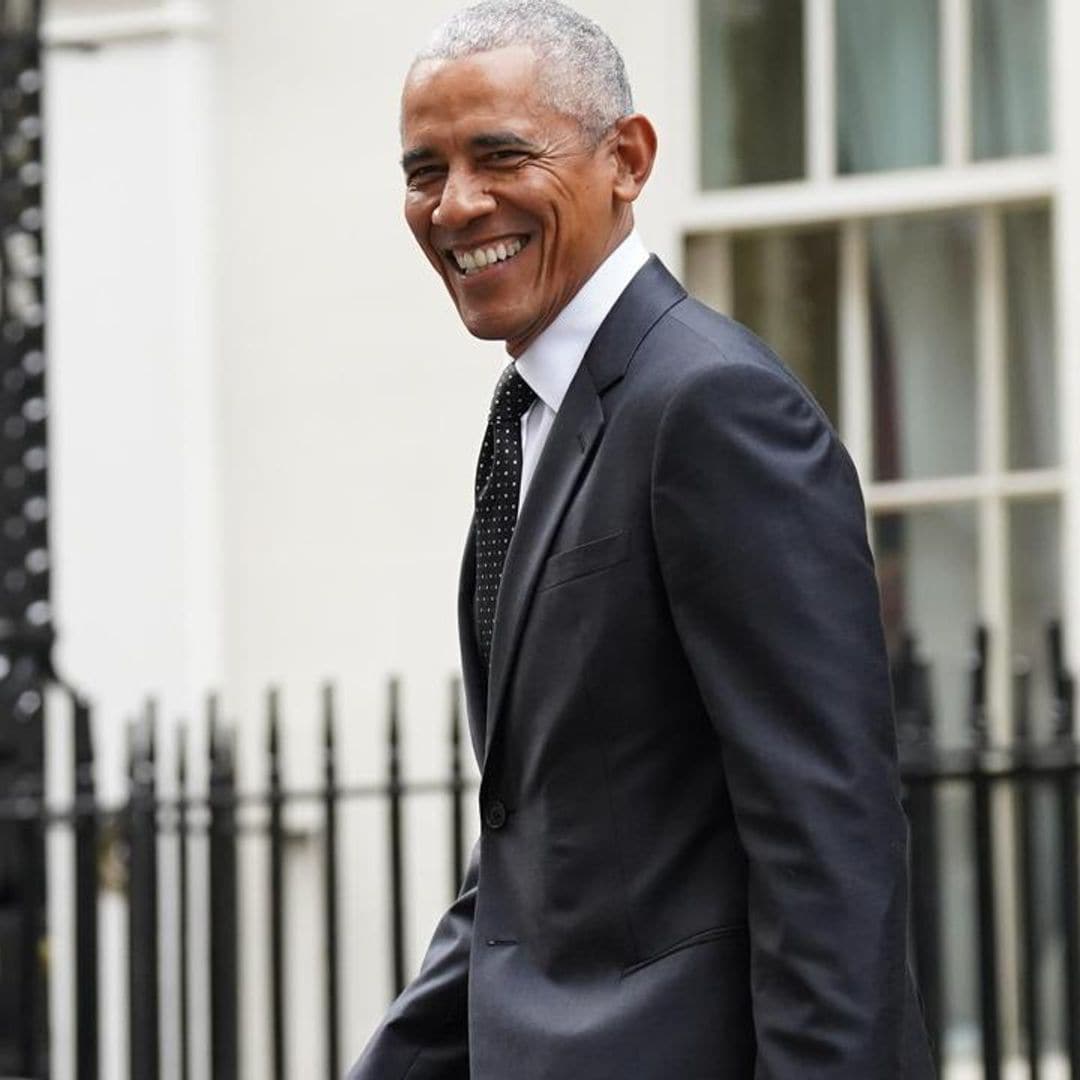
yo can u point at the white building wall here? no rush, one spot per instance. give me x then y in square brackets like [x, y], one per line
[136, 534]
[133, 469]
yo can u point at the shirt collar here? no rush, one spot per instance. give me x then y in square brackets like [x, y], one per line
[549, 364]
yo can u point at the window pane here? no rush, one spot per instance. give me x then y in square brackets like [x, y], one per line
[1009, 77]
[927, 563]
[751, 91]
[785, 291]
[707, 266]
[922, 307]
[888, 86]
[1033, 414]
[1035, 594]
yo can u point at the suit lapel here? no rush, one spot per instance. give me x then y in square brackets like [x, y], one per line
[570, 444]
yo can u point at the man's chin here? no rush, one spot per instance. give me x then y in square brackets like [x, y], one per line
[485, 332]
[490, 328]
[516, 328]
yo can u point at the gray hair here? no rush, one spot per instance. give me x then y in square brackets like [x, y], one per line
[583, 74]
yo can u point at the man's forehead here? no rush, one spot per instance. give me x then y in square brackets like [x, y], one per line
[463, 126]
[491, 82]
[470, 107]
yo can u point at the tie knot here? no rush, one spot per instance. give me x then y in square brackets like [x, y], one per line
[513, 395]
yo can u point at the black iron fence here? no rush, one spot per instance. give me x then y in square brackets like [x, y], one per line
[1020, 802]
[127, 838]
[1024, 778]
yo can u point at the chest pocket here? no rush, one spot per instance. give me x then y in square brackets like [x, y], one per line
[585, 559]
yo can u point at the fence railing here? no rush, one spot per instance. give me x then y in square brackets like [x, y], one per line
[1024, 777]
[1002, 787]
[128, 835]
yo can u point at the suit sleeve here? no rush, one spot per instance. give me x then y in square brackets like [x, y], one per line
[761, 534]
[425, 1033]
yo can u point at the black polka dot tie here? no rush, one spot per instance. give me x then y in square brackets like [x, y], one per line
[498, 483]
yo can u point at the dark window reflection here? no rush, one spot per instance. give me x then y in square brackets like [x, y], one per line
[1032, 360]
[786, 292]
[752, 109]
[888, 84]
[1010, 72]
[922, 307]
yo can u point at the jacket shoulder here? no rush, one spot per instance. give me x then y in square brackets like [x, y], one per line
[692, 344]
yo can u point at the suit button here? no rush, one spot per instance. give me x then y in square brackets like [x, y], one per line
[495, 814]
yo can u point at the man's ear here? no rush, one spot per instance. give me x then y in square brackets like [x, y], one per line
[634, 150]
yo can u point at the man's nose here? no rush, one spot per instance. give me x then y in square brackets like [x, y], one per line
[463, 199]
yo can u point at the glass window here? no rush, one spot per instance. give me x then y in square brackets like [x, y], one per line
[927, 563]
[751, 68]
[785, 291]
[1032, 378]
[888, 84]
[922, 308]
[707, 269]
[1010, 69]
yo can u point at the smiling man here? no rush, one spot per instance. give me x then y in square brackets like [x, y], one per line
[692, 856]
[512, 201]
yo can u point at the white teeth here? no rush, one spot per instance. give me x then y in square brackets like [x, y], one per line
[471, 261]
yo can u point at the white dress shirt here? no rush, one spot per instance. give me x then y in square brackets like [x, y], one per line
[549, 364]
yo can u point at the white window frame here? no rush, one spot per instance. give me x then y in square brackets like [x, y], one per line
[985, 188]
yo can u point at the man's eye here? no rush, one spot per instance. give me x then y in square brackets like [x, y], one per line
[422, 174]
[503, 157]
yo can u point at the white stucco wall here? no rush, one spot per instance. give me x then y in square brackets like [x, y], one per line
[136, 533]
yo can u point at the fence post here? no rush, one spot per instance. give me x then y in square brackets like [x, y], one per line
[144, 1035]
[1026, 839]
[277, 884]
[915, 727]
[984, 864]
[31, 831]
[182, 905]
[330, 881]
[457, 791]
[224, 1041]
[1065, 732]
[397, 876]
[86, 898]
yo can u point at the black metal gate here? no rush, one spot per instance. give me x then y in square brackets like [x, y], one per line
[1026, 774]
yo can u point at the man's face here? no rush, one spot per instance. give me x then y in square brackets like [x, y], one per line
[511, 201]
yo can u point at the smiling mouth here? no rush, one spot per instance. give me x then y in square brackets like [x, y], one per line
[487, 256]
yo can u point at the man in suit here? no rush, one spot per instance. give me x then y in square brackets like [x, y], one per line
[692, 858]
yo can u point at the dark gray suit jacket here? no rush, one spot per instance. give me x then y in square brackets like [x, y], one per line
[692, 860]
